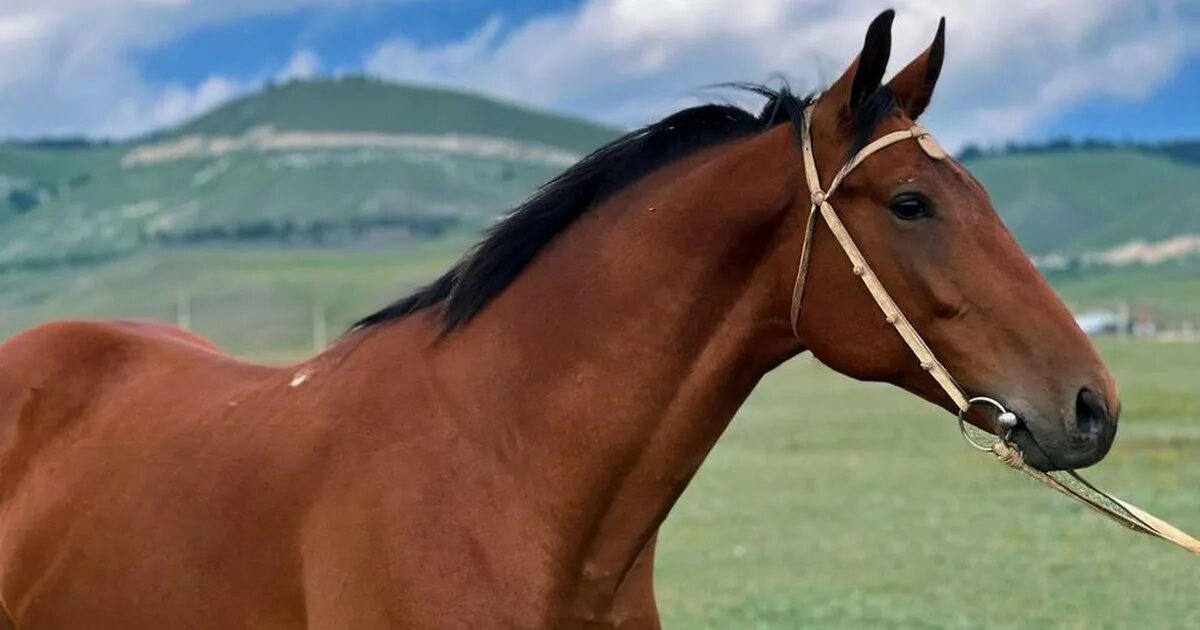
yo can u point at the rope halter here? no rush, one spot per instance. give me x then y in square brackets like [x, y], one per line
[820, 202]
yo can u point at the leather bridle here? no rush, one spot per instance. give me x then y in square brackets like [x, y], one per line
[1123, 513]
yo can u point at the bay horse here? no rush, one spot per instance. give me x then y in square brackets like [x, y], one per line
[499, 448]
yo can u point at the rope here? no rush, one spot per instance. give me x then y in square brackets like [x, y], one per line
[1119, 511]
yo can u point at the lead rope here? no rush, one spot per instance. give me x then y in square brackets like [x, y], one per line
[1119, 511]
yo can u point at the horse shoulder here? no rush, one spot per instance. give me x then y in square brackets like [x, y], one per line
[62, 365]
[158, 331]
[70, 348]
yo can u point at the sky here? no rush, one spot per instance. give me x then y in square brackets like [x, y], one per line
[1015, 69]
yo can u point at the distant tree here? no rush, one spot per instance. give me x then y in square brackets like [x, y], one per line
[1098, 144]
[79, 181]
[970, 152]
[1061, 143]
[23, 200]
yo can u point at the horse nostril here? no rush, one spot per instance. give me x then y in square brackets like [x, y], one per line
[1090, 414]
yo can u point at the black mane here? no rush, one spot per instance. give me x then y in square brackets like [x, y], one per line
[510, 245]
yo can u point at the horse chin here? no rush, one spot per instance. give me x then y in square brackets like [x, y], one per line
[1031, 450]
[1049, 453]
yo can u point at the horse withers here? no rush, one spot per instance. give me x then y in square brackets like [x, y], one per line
[499, 448]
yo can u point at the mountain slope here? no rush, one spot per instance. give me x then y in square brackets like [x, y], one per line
[354, 161]
[326, 162]
[366, 105]
[1087, 199]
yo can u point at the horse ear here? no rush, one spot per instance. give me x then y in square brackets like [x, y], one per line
[913, 86]
[863, 76]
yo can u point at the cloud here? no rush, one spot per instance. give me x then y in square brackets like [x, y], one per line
[1011, 64]
[446, 63]
[66, 66]
[304, 64]
[172, 105]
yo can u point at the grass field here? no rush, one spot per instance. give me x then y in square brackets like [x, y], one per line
[259, 301]
[832, 503]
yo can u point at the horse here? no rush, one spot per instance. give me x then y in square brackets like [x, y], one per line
[500, 447]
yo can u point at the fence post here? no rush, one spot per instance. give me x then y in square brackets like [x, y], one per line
[183, 309]
[319, 329]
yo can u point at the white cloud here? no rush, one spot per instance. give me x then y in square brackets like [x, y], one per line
[66, 65]
[435, 65]
[179, 103]
[1011, 64]
[304, 64]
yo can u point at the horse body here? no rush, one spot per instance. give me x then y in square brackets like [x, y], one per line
[109, 424]
[238, 467]
[510, 469]
[278, 498]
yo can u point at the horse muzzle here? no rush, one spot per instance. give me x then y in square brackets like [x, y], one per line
[1080, 437]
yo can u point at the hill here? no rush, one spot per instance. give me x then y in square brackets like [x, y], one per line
[357, 163]
[366, 105]
[1090, 198]
[341, 162]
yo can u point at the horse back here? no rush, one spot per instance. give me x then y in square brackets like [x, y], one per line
[104, 425]
[50, 372]
[60, 381]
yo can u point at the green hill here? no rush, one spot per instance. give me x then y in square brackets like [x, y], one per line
[365, 167]
[342, 162]
[1085, 199]
[366, 105]
[355, 161]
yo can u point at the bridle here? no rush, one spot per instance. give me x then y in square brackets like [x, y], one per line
[1123, 513]
[820, 202]
[891, 312]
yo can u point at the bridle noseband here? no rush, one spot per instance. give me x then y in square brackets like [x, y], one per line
[1119, 511]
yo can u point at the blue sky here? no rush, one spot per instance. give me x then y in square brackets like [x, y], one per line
[1026, 69]
[342, 36]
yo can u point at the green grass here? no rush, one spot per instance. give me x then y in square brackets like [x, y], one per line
[1170, 291]
[1082, 200]
[334, 195]
[362, 104]
[248, 301]
[276, 288]
[832, 503]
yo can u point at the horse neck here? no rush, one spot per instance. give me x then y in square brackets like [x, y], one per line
[615, 361]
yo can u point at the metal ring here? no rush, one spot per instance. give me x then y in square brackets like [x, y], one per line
[962, 416]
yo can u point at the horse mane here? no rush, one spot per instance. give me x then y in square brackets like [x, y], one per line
[510, 245]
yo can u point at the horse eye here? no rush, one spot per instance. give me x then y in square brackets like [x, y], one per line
[911, 206]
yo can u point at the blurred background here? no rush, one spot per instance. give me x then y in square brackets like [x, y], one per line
[265, 171]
